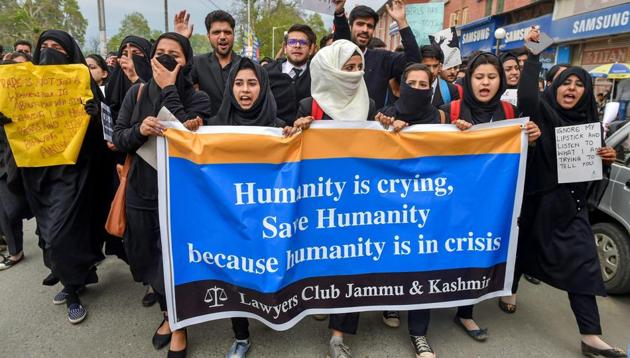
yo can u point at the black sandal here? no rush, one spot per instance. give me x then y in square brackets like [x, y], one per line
[507, 307]
[479, 335]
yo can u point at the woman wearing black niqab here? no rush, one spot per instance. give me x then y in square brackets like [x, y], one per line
[70, 214]
[170, 87]
[556, 242]
[119, 81]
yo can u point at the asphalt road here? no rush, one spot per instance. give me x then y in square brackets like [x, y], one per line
[118, 326]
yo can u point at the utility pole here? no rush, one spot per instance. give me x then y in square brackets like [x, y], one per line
[102, 41]
[165, 15]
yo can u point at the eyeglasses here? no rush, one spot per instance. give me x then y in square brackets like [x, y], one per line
[297, 42]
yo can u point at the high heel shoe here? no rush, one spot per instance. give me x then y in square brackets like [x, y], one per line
[161, 340]
[179, 354]
[589, 351]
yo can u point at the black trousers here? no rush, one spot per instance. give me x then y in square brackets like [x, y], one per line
[418, 322]
[240, 326]
[347, 323]
[11, 208]
[584, 309]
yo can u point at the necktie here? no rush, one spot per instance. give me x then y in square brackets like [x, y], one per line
[296, 72]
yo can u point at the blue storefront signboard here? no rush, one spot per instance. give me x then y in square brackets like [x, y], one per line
[609, 21]
[515, 33]
[477, 35]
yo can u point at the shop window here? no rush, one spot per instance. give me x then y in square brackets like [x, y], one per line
[500, 6]
[488, 7]
[464, 16]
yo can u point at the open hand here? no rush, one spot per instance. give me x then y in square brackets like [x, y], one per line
[162, 76]
[397, 12]
[183, 25]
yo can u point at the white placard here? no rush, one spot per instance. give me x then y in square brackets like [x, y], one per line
[448, 41]
[108, 122]
[610, 113]
[148, 151]
[510, 95]
[322, 6]
[576, 149]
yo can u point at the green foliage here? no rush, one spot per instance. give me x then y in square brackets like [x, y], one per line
[132, 24]
[267, 14]
[200, 44]
[29, 18]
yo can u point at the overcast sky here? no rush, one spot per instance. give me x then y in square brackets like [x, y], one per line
[153, 11]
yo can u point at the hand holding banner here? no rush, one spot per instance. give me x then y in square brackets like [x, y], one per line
[45, 104]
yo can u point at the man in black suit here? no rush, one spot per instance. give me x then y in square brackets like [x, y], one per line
[443, 91]
[380, 66]
[290, 78]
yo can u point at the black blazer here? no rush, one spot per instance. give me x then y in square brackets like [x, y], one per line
[287, 91]
[306, 106]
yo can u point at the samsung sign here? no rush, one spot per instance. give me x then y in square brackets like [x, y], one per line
[515, 33]
[609, 21]
[477, 35]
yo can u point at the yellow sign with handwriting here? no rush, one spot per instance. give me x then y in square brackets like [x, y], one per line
[45, 104]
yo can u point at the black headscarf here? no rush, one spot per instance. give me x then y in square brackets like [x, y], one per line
[542, 162]
[118, 83]
[262, 113]
[413, 106]
[184, 81]
[482, 112]
[505, 57]
[584, 111]
[49, 56]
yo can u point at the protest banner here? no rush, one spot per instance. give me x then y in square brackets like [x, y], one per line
[45, 104]
[425, 20]
[576, 149]
[448, 41]
[344, 217]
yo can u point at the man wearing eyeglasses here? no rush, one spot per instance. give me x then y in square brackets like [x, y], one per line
[290, 78]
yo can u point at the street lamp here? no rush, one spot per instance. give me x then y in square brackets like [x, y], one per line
[499, 34]
[273, 40]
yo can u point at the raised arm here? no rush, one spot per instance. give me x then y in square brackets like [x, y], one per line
[412, 52]
[342, 28]
[528, 94]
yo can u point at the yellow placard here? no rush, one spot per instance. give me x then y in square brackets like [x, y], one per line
[45, 104]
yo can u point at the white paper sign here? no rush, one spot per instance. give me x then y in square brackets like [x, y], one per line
[448, 41]
[108, 122]
[322, 6]
[148, 151]
[610, 113]
[510, 95]
[576, 149]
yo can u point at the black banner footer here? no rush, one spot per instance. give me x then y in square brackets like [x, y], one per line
[207, 297]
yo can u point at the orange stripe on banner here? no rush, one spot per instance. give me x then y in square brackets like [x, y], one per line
[339, 143]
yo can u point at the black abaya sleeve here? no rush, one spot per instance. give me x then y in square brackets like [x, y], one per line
[198, 106]
[371, 110]
[304, 108]
[342, 28]
[528, 94]
[126, 136]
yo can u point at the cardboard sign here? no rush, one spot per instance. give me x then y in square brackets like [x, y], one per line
[108, 122]
[448, 41]
[45, 104]
[576, 150]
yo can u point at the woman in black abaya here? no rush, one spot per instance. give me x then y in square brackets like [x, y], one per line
[69, 215]
[556, 242]
[247, 101]
[171, 87]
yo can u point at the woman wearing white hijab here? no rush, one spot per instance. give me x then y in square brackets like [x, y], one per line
[338, 90]
[338, 93]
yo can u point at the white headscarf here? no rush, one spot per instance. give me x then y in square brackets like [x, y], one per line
[341, 95]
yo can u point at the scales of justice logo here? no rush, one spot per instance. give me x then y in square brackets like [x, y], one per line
[214, 297]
